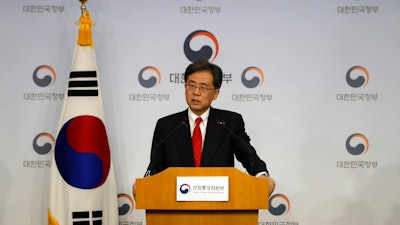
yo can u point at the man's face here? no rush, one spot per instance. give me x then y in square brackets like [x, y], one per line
[200, 92]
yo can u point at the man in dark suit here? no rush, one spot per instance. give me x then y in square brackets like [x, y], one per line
[223, 134]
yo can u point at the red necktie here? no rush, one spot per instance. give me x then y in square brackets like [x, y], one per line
[197, 142]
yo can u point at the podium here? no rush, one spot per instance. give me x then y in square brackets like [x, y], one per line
[157, 195]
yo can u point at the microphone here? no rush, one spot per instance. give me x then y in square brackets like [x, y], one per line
[155, 147]
[247, 145]
[223, 124]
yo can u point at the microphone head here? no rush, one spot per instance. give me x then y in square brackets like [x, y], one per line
[220, 122]
[184, 123]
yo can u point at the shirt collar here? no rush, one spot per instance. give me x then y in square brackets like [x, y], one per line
[192, 116]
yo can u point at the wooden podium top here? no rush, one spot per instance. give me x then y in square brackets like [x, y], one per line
[158, 192]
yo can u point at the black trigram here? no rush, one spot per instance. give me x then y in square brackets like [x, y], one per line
[83, 83]
[87, 218]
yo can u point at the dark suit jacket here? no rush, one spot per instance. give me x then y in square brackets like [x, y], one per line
[225, 138]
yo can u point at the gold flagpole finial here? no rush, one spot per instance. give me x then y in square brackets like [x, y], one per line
[85, 29]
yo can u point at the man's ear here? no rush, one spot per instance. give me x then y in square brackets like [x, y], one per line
[216, 93]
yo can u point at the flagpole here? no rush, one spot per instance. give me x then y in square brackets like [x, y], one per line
[83, 5]
[83, 189]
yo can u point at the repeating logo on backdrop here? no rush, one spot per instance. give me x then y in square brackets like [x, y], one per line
[357, 76]
[149, 77]
[125, 204]
[82, 153]
[43, 143]
[280, 209]
[252, 77]
[195, 46]
[44, 76]
[357, 144]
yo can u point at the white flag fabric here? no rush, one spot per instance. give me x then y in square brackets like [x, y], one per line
[82, 188]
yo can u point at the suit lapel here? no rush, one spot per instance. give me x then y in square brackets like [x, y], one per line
[185, 141]
[211, 140]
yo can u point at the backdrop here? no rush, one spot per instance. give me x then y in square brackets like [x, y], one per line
[317, 83]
